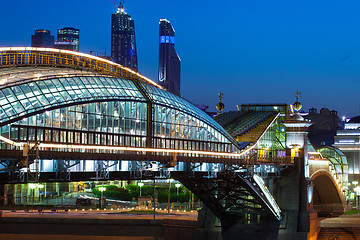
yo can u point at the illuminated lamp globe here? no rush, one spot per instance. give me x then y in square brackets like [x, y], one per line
[297, 106]
[220, 106]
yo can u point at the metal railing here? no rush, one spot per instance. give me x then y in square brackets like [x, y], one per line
[29, 56]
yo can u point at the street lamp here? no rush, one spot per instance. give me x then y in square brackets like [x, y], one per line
[357, 191]
[170, 180]
[140, 185]
[101, 189]
[177, 185]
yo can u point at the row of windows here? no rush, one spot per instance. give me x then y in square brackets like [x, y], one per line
[62, 136]
[117, 124]
[208, 129]
[29, 97]
[191, 145]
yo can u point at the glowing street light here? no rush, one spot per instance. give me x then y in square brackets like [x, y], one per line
[140, 185]
[101, 189]
[177, 185]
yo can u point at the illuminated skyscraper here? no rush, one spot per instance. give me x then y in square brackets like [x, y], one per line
[123, 43]
[42, 38]
[169, 61]
[67, 38]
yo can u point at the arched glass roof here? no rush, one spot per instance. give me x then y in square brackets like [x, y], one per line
[23, 99]
[336, 156]
[28, 91]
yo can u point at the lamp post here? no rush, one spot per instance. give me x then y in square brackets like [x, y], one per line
[356, 190]
[170, 180]
[140, 185]
[101, 189]
[40, 186]
[32, 186]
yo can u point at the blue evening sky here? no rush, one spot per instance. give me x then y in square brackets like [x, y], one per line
[254, 51]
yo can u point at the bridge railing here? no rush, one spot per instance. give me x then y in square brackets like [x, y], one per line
[28, 56]
[272, 157]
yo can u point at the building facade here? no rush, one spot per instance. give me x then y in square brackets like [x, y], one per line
[42, 38]
[325, 123]
[169, 61]
[68, 38]
[123, 43]
[348, 141]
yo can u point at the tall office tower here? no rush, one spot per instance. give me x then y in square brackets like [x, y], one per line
[169, 61]
[42, 38]
[123, 43]
[67, 38]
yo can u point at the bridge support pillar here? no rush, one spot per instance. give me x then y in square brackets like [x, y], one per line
[292, 189]
[293, 203]
[209, 227]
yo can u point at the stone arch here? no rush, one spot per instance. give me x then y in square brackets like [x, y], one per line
[327, 196]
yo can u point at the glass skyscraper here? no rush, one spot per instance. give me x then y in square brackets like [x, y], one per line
[123, 43]
[169, 61]
[68, 38]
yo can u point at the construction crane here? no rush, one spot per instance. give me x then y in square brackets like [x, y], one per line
[121, 4]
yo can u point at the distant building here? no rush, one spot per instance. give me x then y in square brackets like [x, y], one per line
[123, 43]
[42, 38]
[348, 141]
[101, 55]
[68, 39]
[205, 109]
[169, 61]
[64, 45]
[324, 126]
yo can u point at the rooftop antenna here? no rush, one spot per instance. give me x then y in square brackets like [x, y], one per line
[121, 5]
[297, 95]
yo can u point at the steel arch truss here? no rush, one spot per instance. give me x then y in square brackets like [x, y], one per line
[231, 196]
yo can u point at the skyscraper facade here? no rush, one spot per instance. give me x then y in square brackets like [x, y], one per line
[169, 61]
[42, 38]
[123, 43]
[68, 38]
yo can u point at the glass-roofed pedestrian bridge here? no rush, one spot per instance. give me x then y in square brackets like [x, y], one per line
[75, 104]
[65, 113]
[57, 104]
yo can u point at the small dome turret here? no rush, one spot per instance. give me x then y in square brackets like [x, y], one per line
[220, 106]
